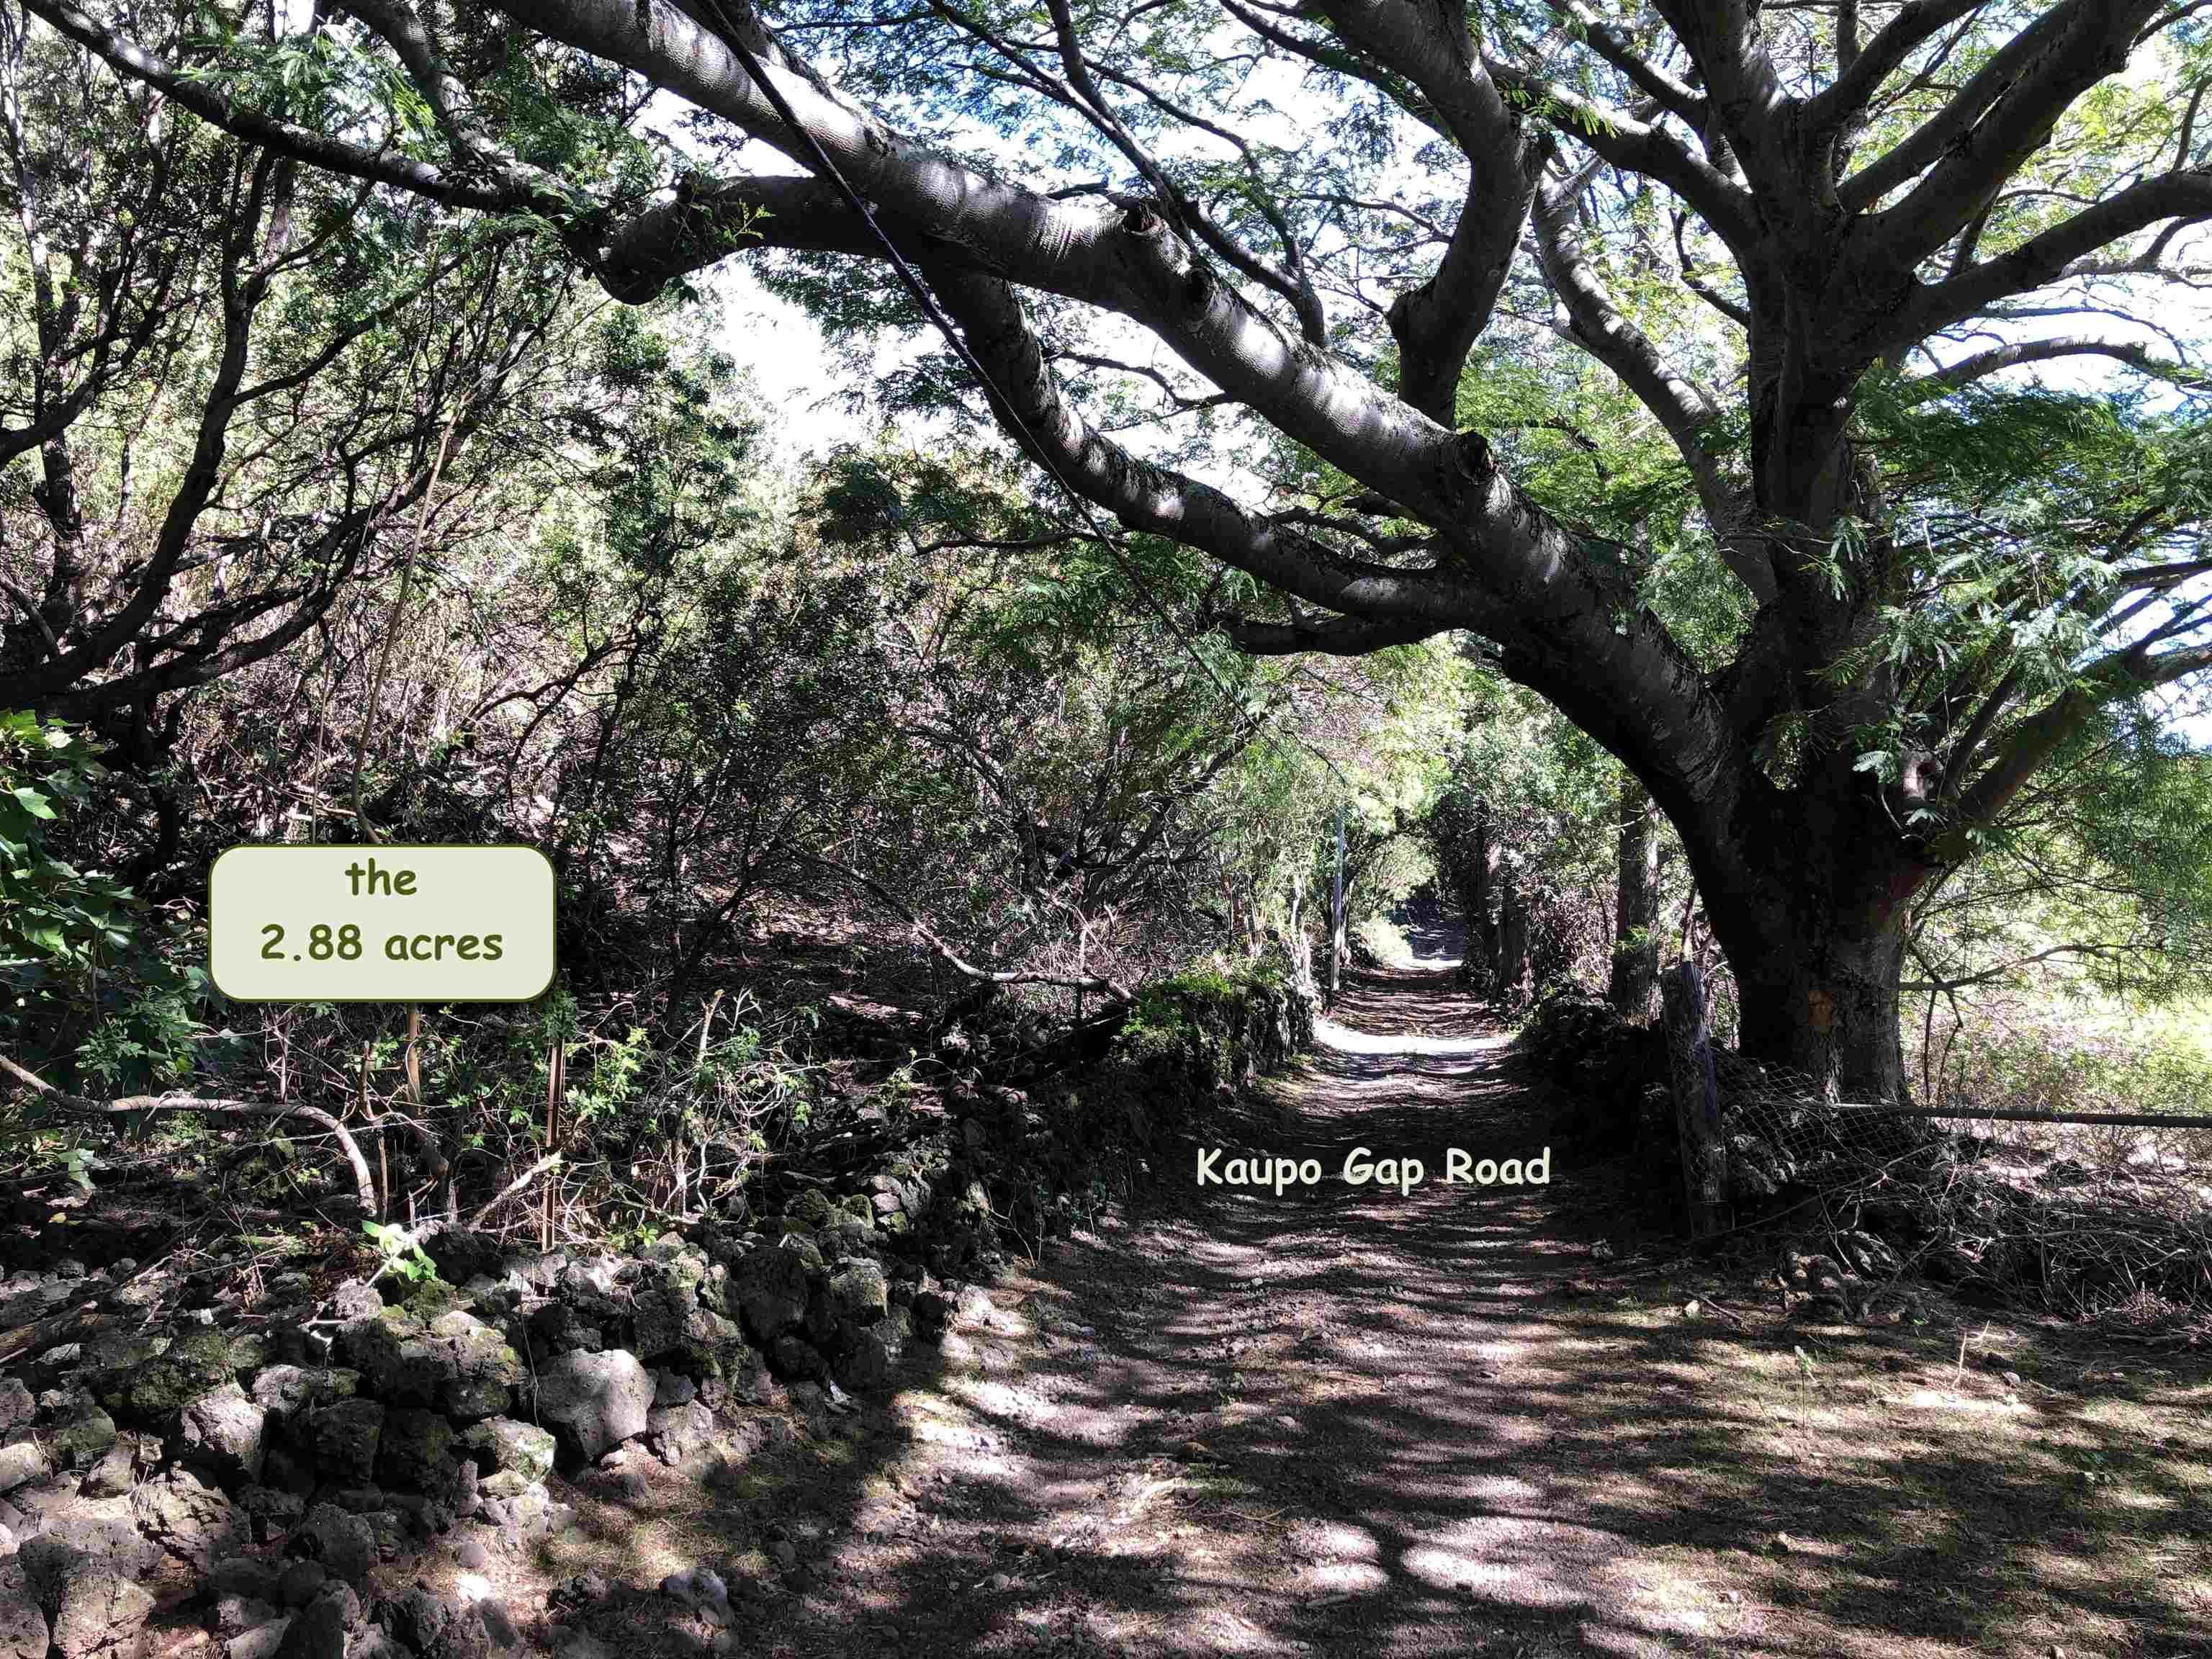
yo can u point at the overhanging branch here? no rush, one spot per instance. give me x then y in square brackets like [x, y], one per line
[317, 149]
[1983, 364]
[2046, 258]
[1335, 636]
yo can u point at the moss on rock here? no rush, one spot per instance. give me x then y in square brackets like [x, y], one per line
[197, 1361]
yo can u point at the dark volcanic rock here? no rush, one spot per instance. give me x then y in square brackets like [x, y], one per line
[593, 1401]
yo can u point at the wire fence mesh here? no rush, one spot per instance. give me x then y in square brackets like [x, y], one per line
[2105, 1219]
[1789, 1126]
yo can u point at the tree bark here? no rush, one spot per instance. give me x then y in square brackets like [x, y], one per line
[1481, 925]
[1816, 936]
[1828, 1016]
[1697, 1102]
[1512, 938]
[1636, 907]
[1470, 864]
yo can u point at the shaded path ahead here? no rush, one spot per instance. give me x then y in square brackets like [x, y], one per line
[1338, 1421]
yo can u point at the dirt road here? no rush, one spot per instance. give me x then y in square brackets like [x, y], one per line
[1478, 1420]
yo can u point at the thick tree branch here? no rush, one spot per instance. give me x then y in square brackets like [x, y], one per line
[1610, 44]
[1686, 409]
[708, 222]
[2037, 737]
[1829, 109]
[1744, 92]
[1147, 497]
[1961, 761]
[1437, 324]
[2000, 117]
[1686, 267]
[1621, 140]
[2157, 578]
[1122, 258]
[1291, 284]
[1997, 359]
[1681, 405]
[1337, 636]
[1930, 308]
[1560, 628]
[1327, 55]
[1080, 92]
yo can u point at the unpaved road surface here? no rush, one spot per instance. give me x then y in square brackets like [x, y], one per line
[1468, 1420]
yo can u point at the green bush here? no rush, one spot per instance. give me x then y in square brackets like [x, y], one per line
[1187, 1039]
[1216, 1027]
[59, 925]
[1380, 941]
[90, 984]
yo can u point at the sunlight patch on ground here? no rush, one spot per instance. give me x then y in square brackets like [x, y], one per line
[1327, 1539]
[1451, 1570]
[1344, 1040]
[1340, 1578]
[1943, 1400]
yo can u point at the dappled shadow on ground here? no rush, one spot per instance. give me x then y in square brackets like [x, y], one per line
[1345, 1420]
[1435, 937]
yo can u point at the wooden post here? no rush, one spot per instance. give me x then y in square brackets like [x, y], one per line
[383, 1159]
[448, 1143]
[1696, 1100]
[557, 1090]
[1336, 910]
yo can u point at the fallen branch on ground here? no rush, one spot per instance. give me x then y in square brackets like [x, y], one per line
[551, 1160]
[68, 1105]
[70, 1323]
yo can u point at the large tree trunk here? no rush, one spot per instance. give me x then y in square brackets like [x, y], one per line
[1806, 864]
[1635, 908]
[1829, 1017]
[1816, 939]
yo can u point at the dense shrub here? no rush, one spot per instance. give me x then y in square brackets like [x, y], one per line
[1220, 1028]
[1379, 942]
[1185, 1041]
[1611, 1072]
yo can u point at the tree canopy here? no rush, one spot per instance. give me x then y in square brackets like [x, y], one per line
[1667, 355]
